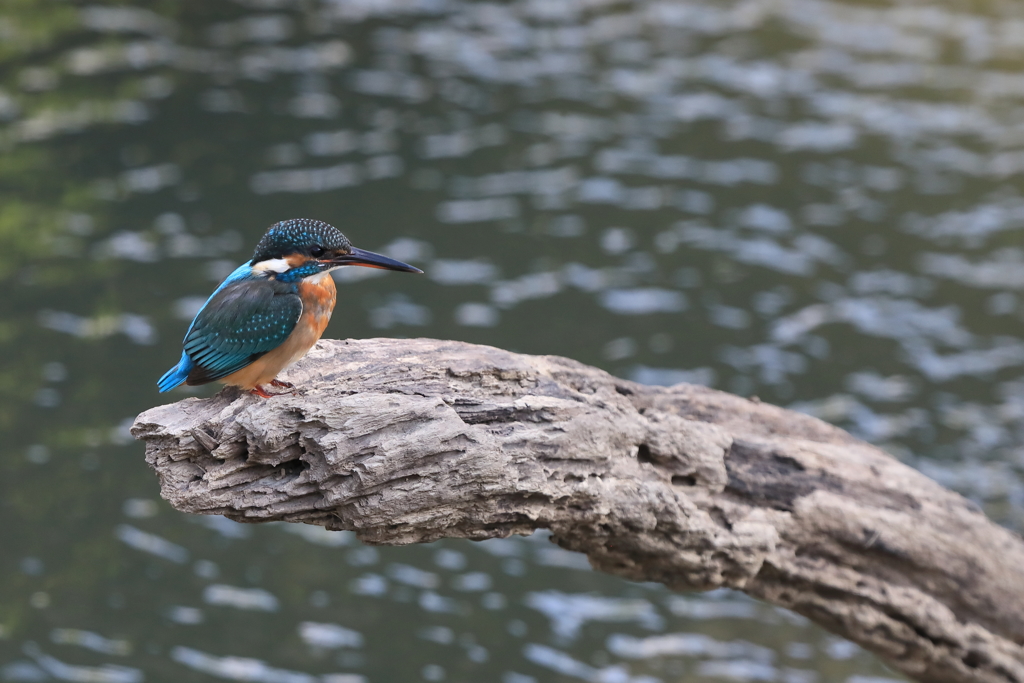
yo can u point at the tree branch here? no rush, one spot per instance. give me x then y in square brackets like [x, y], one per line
[407, 441]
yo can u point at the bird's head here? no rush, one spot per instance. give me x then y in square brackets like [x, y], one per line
[301, 247]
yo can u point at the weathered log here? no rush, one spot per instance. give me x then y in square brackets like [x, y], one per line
[406, 441]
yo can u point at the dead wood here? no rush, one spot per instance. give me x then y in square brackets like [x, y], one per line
[407, 441]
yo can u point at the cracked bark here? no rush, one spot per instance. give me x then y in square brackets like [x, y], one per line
[407, 441]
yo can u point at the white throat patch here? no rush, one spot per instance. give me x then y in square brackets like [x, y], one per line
[274, 265]
[316, 279]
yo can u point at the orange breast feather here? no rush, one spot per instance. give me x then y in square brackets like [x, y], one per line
[318, 299]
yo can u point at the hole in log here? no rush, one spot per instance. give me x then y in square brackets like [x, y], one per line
[625, 391]
[684, 480]
[974, 659]
[291, 468]
[643, 453]
[572, 479]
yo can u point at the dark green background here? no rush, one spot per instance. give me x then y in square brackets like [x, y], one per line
[816, 203]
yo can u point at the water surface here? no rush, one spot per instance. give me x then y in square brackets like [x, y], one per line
[817, 203]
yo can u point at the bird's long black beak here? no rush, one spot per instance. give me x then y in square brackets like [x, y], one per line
[361, 257]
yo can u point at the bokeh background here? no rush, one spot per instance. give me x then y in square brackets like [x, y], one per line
[814, 202]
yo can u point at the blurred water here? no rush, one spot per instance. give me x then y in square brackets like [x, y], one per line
[815, 202]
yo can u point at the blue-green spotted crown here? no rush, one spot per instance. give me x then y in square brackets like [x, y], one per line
[300, 236]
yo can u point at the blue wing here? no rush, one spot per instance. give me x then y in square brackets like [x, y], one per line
[179, 373]
[240, 323]
[245, 318]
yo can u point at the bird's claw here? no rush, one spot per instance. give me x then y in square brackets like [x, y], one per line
[260, 391]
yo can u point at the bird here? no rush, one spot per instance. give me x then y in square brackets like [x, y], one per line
[271, 310]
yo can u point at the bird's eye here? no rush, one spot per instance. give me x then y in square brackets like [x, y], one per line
[316, 252]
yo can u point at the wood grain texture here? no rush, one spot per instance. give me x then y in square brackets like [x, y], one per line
[407, 441]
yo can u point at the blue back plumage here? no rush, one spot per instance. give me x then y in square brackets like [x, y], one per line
[244, 318]
[242, 272]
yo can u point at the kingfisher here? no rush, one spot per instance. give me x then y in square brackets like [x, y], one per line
[271, 310]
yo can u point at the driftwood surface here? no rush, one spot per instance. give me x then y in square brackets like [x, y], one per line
[406, 441]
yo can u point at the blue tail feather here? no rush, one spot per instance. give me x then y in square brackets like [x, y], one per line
[176, 375]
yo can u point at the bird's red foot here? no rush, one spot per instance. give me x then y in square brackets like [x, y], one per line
[260, 391]
[283, 385]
